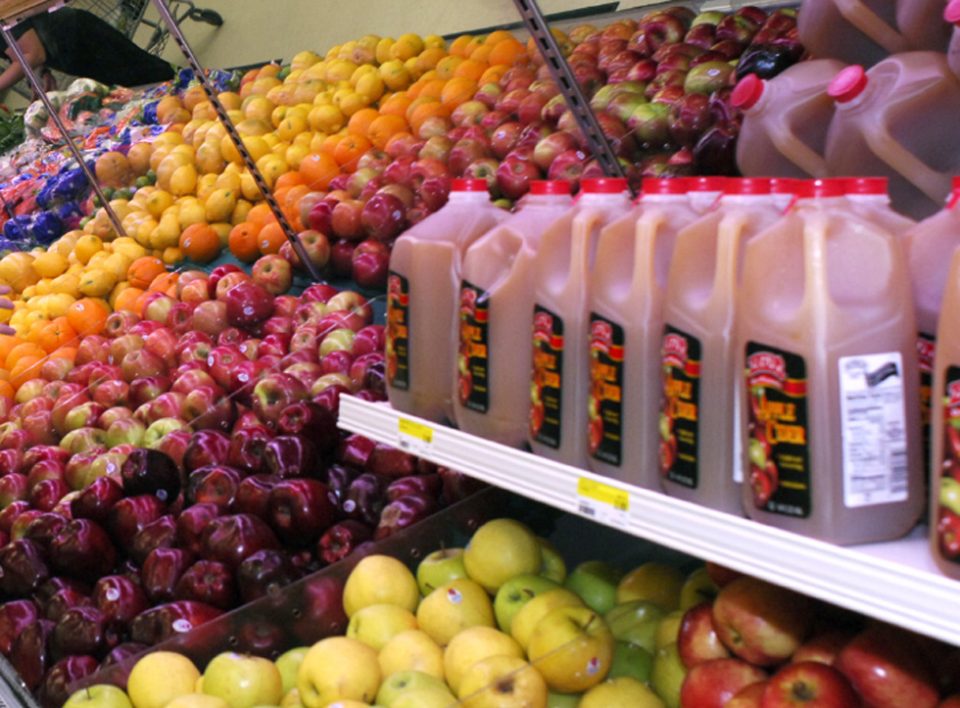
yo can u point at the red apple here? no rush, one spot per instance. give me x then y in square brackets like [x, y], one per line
[712, 683]
[809, 683]
[697, 640]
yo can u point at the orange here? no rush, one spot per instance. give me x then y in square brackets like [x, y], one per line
[270, 239]
[360, 121]
[288, 179]
[243, 241]
[447, 65]
[200, 243]
[6, 389]
[260, 214]
[317, 170]
[20, 351]
[457, 90]
[330, 142]
[429, 58]
[7, 342]
[55, 334]
[384, 128]
[459, 45]
[349, 150]
[294, 195]
[498, 36]
[471, 69]
[508, 51]
[493, 74]
[64, 352]
[165, 283]
[432, 88]
[88, 315]
[143, 270]
[396, 105]
[127, 298]
[427, 110]
[26, 368]
[482, 54]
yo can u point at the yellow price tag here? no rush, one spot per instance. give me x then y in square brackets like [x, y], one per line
[602, 502]
[414, 437]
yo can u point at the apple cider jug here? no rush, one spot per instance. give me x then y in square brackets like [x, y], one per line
[703, 192]
[562, 273]
[828, 382]
[626, 324]
[897, 121]
[422, 288]
[492, 380]
[952, 15]
[785, 120]
[697, 356]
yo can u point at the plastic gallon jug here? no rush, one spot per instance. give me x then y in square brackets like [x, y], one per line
[698, 360]
[829, 384]
[626, 325]
[869, 198]
[422, 288]
[492, 397]
[785, 120]
[783, 191]
[703, 192]
[560, 378]
[897, 120]
[952, 15]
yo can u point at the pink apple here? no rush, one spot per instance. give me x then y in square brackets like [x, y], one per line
[809, 684]
[712, 683]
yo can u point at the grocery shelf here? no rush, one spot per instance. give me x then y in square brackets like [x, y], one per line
[896, 581]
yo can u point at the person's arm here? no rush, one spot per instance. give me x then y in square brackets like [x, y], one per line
[35, 55]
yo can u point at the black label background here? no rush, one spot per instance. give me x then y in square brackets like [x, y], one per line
[684, 429]
[605, 430]
[925, 349]
[398, 331]
[546, 415]
[474, 386]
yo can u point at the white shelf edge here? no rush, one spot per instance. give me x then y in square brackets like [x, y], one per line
[895, 582]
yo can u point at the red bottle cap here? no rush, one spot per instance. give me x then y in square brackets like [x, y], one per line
[665, 185]
[468, 185]
[951, 13]
[706, 184]
[603, 185]
[550, 186]
[866, 185]
[747, 185]
[785, 185]
[848, 84]
[956, 184]
[746, 93]
[813, 188]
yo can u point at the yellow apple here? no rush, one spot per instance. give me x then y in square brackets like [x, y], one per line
[197, 700]
[158, 678]
[499, 550]
[348, 704]
[375, 625]
[412, 650]
[288, 664]
[336, 668]
[425, 698]
[470, 646]
[291, 699]
[100, 695]
[624, 692]
[380, 580]
[453, 607]
[531, 613]
[697, 588]
[503, 682]
[668, 629]
[243, 681]
[405, 682]
[572, 648]
[440, 567]
[553, 567]
[667, 675]
[658, 583]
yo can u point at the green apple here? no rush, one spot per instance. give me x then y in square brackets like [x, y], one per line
[198, 700]
[375, 625]
[502, 681]
[380, 580]
[288, 664]
[99, 695]
[500, 550]
[422, 698]
[405, 681]
[657, 582]
[623, 692]
[517, 592]
[439, 568]
[292, 700]
[412, 650]
[338, 668]
[596, 584]
[950, 494]
[158, 429]
[527, 618]
[159, 677]
[554, 567]
[636, 622]
[243, 681]
[697, 588]
[631, 660]
[562, 700]
[667, 675]
[470, 646]
[454, 607]
[572, 648]
[668, 629]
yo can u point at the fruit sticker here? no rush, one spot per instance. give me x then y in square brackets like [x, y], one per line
[926, 349]
[473, 361]
[605, 414]
[679, 408]
[397, 346]
[777, 430]
[948, 496]
[545, 409]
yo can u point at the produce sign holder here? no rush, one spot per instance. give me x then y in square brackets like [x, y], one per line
[13, 693]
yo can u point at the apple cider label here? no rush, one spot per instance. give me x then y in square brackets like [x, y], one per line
[777, 430]
[946, 515]
[473, 362]
[873, 422]
[397, 347]
[605, 402]
[926, 349]
[547, 379]
[679, 409]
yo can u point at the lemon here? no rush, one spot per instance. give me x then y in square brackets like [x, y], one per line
[228, 180]
[158, 200]
[183, 180]
[220, 204]
[118, 264]
[57, 304]
[97, 282]
[191, 212]
[249, 188]
[86, 246]
[66, 284]
[50, 264]
[206, 184]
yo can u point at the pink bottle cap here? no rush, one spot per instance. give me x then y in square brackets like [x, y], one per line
[954, 193]
[866, 185]
[468, 185]
[951, 13]
[603, 185]
[665, 185]
[550, 186]
[833, 187]
[746, 93]
[747, 185]
[785, 185]
[706, 184]
[848, 84]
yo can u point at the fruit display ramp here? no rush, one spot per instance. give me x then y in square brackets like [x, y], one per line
[896, 581]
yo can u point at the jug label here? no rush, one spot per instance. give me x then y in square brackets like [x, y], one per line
[948, 493]
[926, 349]
[873, 418]
[679, 410]
[473, 363]
[547, 380]
[777, 430]
[605, 411]
[397, 347]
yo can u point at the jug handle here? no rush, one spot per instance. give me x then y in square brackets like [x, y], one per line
[868, 22]
[800, 154]
[932, 183]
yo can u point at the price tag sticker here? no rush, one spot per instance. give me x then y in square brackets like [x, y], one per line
[603, 502]
[415, 438]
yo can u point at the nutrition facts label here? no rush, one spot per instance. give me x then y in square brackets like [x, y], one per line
[874, 429]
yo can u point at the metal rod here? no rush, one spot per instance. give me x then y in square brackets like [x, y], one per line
[55, 116]
[579, 105]
[208, 88]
